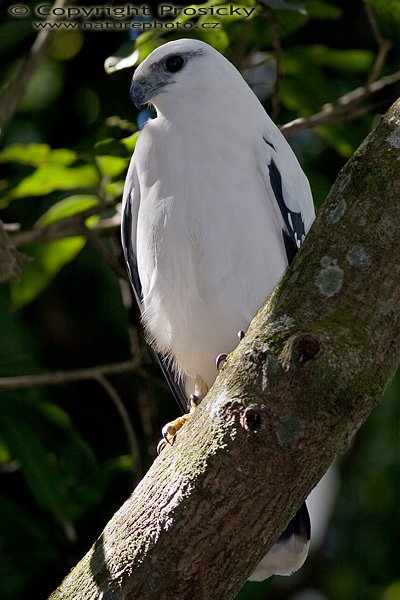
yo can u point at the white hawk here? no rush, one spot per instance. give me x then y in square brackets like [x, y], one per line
[215, 207]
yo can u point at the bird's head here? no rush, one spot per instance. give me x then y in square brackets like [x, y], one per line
[177, 71]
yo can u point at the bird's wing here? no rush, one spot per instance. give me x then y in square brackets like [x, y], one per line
[129, 217]
[290, 550]
[291, 193]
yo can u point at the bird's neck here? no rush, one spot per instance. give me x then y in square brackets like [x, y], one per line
[202, 108]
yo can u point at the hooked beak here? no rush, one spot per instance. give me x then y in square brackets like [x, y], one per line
[142, 91]
[138, 93]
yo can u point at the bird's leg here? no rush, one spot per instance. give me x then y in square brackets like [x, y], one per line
[221, 358]
[170, 430]
[200, 389]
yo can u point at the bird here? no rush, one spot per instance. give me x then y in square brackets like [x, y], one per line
[214, 209]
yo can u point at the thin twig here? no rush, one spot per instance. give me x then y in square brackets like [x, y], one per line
[373, 23]
[60, 377]
[129, 430]
[276, 43]
[67, 227]
[379, 62]
[345, 108]
[13, 93]
[383, 45]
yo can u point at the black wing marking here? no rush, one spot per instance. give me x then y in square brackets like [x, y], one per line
[294, 232]
[299, 526]
[270, 144]
[175, 383]
[130, 256]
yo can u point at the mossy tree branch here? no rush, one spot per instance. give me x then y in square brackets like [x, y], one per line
[312, 366]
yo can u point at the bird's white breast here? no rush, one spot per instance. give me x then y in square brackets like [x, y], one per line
[208, 245]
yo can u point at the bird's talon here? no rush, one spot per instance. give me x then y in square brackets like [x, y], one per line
[219, 361]
[170, 430]
[194, 401]
[165, 431]
[161, 445]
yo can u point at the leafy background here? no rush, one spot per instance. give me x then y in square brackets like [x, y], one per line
[71, 453]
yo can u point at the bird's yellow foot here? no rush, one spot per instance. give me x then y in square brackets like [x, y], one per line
[170, 430]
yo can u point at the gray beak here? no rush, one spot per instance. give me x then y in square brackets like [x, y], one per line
[138, 93]
[143, 89]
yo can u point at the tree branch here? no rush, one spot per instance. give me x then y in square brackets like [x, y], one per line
[67, 227]
[59, 377]
[11, 261]
[347, 107]
[312, 366]
[124, 416]
[384, 45]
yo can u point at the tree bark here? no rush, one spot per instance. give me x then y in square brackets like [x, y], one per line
[312, 366]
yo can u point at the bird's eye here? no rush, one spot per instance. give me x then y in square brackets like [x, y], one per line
[173, 64]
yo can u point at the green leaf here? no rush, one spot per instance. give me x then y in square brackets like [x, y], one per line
[48, 178]
[67, 207]
[117, 63]
[393, 591]
[352, 61]
[37, 154]
[309, 79]
[118, 125]
[135, 56]
[217, 38]
[57, 464]
[122, 59]
[114, 189]
[121, 148]
[144, 40]
[319, 9]
[16, 427]
[288, 23]
[111, 166]
[49, 258]
[130, 141]
[305, 88]
[388, 16]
